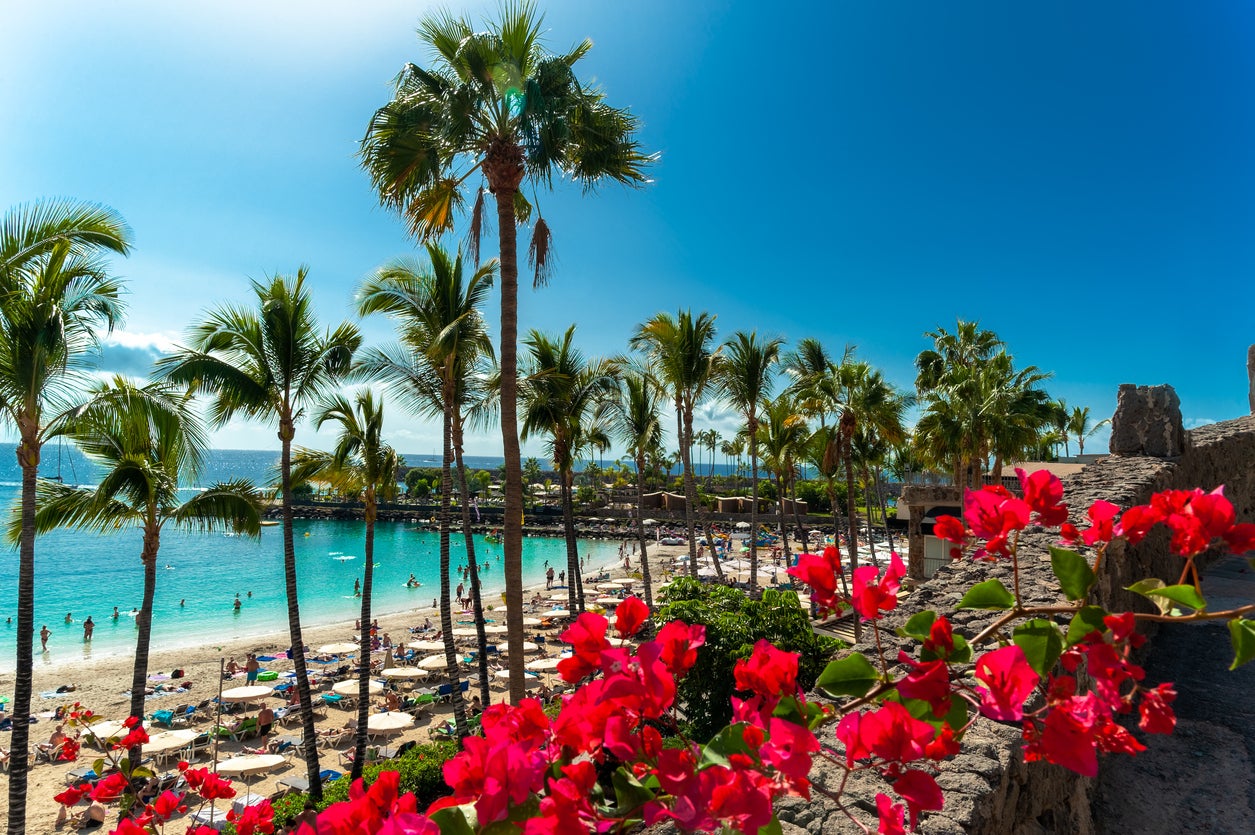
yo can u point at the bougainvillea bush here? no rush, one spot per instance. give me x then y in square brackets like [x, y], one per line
[1064, 673]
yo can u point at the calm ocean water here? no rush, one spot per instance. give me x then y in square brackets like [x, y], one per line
[199, 574]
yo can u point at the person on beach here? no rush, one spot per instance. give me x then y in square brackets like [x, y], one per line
[461, 592]
[251, 668]
[549, 578]
[88, 628]
[232, 667]
[562, 578]
[182, 601]
[265, 719]
[44, 635]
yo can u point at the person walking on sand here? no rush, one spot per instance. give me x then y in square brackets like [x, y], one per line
[251, 668]
[549, 578]
[44, 635]
[88, 628]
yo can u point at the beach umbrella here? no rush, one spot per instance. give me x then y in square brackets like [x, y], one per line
[742, 525]
[352, 688]
[246, 694]
[608, 586]
[389, 722]
[104, 730]
[607, 600]
[528, 646]
[502, 674]
[557, 613]
[434, 662]
[650, 522]
[405, 672]
[338, 648]
[495, 629]
[558, 597]
[623, 581]
[426, 646]
[543, 665]
[530, 621]
[464, 632]
[251, 765]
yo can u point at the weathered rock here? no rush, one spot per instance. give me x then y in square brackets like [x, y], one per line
[1250, 376]
[1148, 422]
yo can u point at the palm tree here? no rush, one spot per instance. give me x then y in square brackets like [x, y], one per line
[680, 349]
[360, 463]
[146, 440]
[745, 378]
[823, 452]
[440, 368]
[1079, 425]
[871, 420]
[564, 398]
[269, 364]
[56, 296]
[497, 103]
[1059, 415]
[636, 417]
[782, 435]
[732, 450]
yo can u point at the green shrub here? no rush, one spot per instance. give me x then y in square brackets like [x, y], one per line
[421, 770]
[734, 623]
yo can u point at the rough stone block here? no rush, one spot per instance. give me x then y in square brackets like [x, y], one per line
[1148, 422]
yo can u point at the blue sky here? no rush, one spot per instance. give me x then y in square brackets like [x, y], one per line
[1079, 177]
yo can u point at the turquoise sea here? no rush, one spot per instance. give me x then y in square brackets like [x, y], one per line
[199, 575]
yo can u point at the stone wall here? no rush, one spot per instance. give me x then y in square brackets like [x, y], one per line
[989, 790]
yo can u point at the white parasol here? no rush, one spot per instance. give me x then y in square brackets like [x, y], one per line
[352, 687]
[389, 722]
[338, 648]
[434, 662]
[405, 672]
[426, 646]
[246, 694]
[543, 664]
[250, 765]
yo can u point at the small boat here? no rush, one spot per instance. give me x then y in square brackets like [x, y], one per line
[672, 540]
[269, 523]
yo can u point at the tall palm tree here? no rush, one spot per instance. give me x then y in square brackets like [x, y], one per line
[1059, 415]
[1079, 425]
[439, 368]
[872, 413]
[56, 296]
[270, 363]
[360, 463]
[146, 440]
[823, 452]
[496, 107]
[681, 351]
[745, 378]
[782, 435]
[636, 418]
[732, 449]
[564, 397]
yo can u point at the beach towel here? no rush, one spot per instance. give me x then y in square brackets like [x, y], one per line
[267, 658]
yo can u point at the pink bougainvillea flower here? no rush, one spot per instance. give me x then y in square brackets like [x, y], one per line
[73, 795]
[167, 804]
[929, 682]
[818, 573]
[1008, 681]
[1240, 538]
[892, 818]
[921, 793]
[629, 615]
[587, 637]
[993, 514]
[254, 820]
[871, 596]
[768, 672]
[1157, 716]
[940, 641]
[1043, 493]
[1135, 524]
[680, 643]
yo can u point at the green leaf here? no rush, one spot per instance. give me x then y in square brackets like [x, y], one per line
[731, 740]
[1145, 587]
[1041, 642]
[850, 676]
[772, 828]
[1185, 595]
[1242, 633]
[1075, 575]
[991, 594]
[919, 625]
[98, 766]
[962, 651]
[1087, 620]
[628, 792]
[456, 820]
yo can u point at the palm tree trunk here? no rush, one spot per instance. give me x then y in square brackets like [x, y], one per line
[752, 424]
[836, 537]
[144, 626]
[784, 528]
[572, 549]
[28, 458]
[363, 656]
[309, 736]
[884, 507]
[690, 489]
[640, 530]
[512, 527]
[477, 601]
[446, 605]
[797, 517]
[852, 523]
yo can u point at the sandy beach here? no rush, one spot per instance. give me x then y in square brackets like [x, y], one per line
[100, 684]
